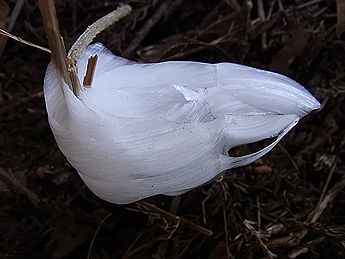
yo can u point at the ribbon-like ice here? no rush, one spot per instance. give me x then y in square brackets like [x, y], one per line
[165, 128]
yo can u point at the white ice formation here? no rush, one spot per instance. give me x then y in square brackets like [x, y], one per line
[165, 128]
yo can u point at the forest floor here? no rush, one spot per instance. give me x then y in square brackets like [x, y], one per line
[289, 204]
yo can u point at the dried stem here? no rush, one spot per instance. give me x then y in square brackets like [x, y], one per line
[11, 178]
[86, 38]
[67, 64]
[91, 32]
[90, 71]
[55, 41]
[9, 35]
[169, 215]
[96, 232]
[14, 15]
[163, 11]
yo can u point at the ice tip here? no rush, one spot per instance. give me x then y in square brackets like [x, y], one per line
[305, 101]
[313, 104]
[317, 104]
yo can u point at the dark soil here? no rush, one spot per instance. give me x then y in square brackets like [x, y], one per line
[289, 204]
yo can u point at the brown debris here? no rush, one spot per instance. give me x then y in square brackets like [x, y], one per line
[90, 70]
[55, 41]
[282, 61]
[289, 204]
[171, 216]
[22, 188]
[4, 17]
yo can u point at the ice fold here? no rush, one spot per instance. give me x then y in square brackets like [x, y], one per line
[165, 128]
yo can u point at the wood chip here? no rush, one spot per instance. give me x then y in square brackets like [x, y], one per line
[90, 70]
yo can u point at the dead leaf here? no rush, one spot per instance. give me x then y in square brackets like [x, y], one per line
[293, 48]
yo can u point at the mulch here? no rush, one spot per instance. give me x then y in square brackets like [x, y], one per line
[289, 204]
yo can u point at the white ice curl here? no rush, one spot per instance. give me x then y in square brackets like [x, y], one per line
[165, 128]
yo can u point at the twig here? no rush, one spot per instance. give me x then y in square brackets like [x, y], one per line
[283, 149]
[67, 63]
[13, 19]
[280, 5]
[13, 105]
[213, 191]
[91, 32]
[319, 12]
[224, 188]
[86, 38]
[262, 17]
[166, 7]
[313, 2]
[270, 10]
[90, 71]
[128, 251]
[175, 203]
[340, 17]
[249, 7]
[140, 248]
[55, 42]
[314, 215]
[14, 15]
[234, 4]
[305, 248]
[327, 181]
[257, 236]
[9, 35]
[171, 216]
[96, 232]
[259, 211]
[228, 252]
[10, 177]
[327, 199]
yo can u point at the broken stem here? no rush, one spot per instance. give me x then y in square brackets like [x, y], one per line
[91, 32]
[67, 63]
[86, 38]
[55, 42]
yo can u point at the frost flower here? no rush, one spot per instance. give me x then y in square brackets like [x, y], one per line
[165, 128]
